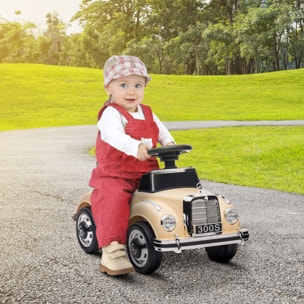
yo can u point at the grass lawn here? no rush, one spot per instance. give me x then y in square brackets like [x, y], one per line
[35, 96]
[265, 157]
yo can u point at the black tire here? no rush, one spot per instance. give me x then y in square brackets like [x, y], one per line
[86, 230]
[140, 248]
[222, 254]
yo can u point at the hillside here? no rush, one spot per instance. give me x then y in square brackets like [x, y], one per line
[43, 96]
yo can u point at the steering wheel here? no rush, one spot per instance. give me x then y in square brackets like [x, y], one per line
[169, 154]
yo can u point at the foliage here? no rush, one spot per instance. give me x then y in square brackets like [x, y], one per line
[171, 36]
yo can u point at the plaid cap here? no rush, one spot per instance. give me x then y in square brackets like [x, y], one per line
[122, 66]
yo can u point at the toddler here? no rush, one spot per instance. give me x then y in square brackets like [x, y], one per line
[126, 130]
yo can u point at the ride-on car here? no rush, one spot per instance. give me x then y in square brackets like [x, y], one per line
[170, 211]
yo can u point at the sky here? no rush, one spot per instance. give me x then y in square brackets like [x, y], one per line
[36, 10]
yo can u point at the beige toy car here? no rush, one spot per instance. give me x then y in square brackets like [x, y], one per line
[170, 212]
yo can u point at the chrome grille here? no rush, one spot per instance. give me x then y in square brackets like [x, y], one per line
[205, 210]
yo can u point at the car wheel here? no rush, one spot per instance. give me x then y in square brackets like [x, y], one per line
[86, 230]
[223, 253]
[140, 248]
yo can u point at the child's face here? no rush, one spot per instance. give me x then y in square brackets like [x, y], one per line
[127, 92]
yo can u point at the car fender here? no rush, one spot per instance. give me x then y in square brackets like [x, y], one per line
[85, 201]
[152, 212]
[227, 228]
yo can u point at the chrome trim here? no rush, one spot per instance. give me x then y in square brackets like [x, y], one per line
[157, 207]
[222, 197]
[152, 183]
[174, 170]
[178, 245]
[199, 186]
[244, 235]
[189, 198]
[179, 250]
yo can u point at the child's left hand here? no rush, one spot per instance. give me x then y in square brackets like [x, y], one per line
[171, 143]
[142, 153]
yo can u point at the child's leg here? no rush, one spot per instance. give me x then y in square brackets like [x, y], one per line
[111, 209]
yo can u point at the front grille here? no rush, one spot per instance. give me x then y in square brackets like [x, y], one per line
[205, 211]
[201, 211]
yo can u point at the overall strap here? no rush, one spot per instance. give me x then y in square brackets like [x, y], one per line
[118, 108]
[147, 112]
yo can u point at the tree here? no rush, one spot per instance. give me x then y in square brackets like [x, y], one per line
[111, 25]
[296, 47]
[252, 33]
[168, 18]
[221, 39]
[17, 43]
[151, 51]
[189, 49]
[171, 36]
[54, 34]
[264, 35]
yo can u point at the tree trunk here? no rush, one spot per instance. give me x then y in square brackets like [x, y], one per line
[267, 67]
[228, 72]
[285, 60]
[298, 62]
[276, 55]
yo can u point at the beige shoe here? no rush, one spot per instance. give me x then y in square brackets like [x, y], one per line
[114, 260]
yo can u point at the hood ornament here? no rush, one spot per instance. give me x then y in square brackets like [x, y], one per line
[199, 185]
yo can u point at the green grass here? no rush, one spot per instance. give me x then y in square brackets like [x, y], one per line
[271, 96]
[266, 157]
[33, 96]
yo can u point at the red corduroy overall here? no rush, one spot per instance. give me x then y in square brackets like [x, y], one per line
[117, 176]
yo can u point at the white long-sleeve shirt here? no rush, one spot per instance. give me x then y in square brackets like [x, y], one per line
[112, 130]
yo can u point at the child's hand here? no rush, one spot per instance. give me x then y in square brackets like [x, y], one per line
[171, 143]
[142, 152]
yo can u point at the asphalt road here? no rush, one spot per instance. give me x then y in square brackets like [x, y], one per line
[43, 173]
[183, 125]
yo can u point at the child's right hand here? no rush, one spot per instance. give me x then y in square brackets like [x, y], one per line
[142, 153]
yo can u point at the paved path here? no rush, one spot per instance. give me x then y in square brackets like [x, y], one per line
[43, 173]
[184, 125]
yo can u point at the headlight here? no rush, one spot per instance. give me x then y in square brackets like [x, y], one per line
[168, 222]
[231, 216]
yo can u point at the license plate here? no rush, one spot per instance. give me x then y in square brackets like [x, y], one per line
[208, 228]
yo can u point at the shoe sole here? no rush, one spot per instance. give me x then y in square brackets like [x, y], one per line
[110, 272]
